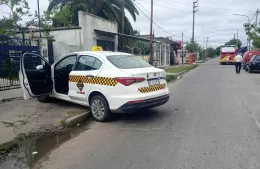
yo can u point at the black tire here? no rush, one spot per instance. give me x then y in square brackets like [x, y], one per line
[245, 68]
[100, 117]
[250, 70]
[44, 99]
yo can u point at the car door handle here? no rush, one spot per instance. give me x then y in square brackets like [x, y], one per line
[91, 76]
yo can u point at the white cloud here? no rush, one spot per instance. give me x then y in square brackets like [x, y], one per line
[175, 16]
[210, 21]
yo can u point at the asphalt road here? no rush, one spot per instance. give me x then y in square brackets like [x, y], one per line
[210, 122]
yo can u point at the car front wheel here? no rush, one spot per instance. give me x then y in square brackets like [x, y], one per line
[44, 99]
[100, 109]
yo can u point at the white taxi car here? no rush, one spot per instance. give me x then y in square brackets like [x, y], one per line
[107, 82]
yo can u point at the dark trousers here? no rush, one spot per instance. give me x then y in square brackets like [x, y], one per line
[238, 67]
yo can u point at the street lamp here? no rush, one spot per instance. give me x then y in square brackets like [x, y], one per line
[248, 20]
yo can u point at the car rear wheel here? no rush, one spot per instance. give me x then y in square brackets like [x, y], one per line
[100, 109]
[250, 69]
[44, 99]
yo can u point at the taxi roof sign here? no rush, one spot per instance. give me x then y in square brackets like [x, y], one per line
[97, 48]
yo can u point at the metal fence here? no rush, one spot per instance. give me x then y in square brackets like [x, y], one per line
[11, 50]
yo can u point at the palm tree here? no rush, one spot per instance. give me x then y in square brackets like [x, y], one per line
[108, 9]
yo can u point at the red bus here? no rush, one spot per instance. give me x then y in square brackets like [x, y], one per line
[227, 54]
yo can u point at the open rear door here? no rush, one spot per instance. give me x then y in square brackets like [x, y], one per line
[35, 76]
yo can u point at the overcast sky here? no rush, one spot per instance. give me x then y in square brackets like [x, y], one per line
[214, 19]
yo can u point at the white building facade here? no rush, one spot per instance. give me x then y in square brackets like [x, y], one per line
[92, 31]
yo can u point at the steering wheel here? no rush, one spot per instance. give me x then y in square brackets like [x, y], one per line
[61, 71]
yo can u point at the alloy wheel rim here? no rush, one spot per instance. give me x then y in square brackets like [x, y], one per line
[98, 108]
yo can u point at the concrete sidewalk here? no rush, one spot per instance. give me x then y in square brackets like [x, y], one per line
[10, 94]
[30, 116]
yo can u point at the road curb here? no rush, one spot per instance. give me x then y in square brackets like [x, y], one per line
[186, 71]
[3, 100]
[73, 121]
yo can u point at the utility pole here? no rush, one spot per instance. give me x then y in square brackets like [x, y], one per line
[151, 35]
[257, 12]
[204, 43]
[123, 17]
[193, 24]
[39, 18]
[237, 39]
[203, 48]
[182, 55]
[207, 42]
[122, 24]
[234, 36]
[207, 47]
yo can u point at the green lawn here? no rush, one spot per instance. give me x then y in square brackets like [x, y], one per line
[170, 78]
[180, 68]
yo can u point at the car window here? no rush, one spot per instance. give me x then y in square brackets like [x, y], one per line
[97, 64]
[67, 63]
[31, 61]
[257, 58]
[88, 63]
[252, 58]
[128, 61]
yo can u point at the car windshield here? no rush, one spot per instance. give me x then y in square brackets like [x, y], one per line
[128, 61]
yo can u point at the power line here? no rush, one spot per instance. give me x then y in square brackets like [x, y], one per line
[154, 17]
[204, 6]
[168, 7]
[177, 9]
[245, 30]
[153, 21]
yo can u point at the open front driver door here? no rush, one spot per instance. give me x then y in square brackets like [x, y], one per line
[35, 76]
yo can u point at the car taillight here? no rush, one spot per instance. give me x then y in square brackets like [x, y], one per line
[135, 102]
[129, 80]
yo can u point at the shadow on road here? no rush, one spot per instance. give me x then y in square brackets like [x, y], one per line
[140, 117]
[62, 103]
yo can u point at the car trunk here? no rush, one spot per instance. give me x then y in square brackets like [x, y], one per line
[153, 76]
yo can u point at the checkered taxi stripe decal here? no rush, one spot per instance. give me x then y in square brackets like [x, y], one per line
[152, 88]
[94, 80]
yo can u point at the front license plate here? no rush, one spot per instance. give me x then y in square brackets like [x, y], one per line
[153, 82]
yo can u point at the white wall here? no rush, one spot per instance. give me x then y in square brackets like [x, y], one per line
[78, 39]
[179, 58]
[89, 23]
[70, 37]
[61, 49]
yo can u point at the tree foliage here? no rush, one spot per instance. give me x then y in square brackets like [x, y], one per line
[63, 18]
[192, 47]
[253, 31]
[11, 21]
[107, 9]
[236, 42]
[218, 50]
[211, 52]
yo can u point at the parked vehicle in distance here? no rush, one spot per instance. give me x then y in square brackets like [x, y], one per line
[107, 82]
[253, 64]
[227, 54]
[247, 56]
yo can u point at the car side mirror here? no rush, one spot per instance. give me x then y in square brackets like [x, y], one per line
[39, 67]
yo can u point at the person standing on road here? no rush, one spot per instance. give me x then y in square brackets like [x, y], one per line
[238, 58]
